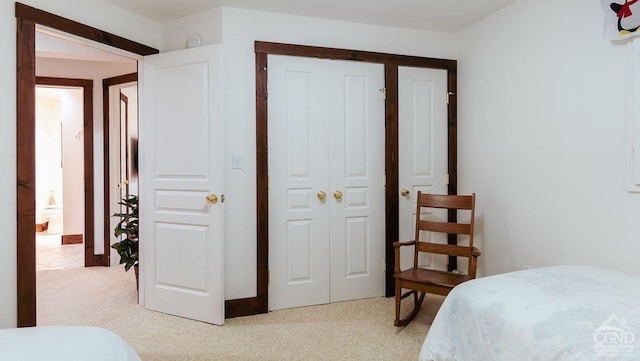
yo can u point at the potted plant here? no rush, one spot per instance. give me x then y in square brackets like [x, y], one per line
[127, 231]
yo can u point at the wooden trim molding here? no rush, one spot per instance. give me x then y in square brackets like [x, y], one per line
[89, 203]
[391, 62]
[53, 21]
[65, 82]
[392, 203]
[120, 79]
[452, 131]
[262, 184]
[26, 20]
[354, 55]
[72, 239]
[26, 175]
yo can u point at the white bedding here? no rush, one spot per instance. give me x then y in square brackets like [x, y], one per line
[68, 343]
[555, 313]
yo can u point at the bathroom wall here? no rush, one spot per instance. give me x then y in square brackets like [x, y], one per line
[48, 150]
[59, 158]
[71, 110]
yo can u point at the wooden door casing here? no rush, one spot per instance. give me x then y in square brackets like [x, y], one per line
[27, 18]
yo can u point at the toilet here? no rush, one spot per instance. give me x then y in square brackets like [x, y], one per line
[53, 214]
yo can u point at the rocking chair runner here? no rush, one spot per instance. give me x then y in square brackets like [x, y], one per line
[421, 280]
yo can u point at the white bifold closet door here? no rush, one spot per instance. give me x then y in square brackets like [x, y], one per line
[422, 150]
[326, 181]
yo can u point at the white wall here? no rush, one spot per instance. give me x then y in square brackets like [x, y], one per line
[208, 25]
[71, 102]
[240, 28]
[95, 13]
[542, 137]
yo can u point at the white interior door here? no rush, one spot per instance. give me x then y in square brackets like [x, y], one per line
[123, 109]
[356, 167]
[423, 156]
[326, 135]
[181, 166]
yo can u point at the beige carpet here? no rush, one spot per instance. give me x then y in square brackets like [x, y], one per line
[354, 330]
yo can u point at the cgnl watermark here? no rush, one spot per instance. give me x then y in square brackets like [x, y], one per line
[613, 338]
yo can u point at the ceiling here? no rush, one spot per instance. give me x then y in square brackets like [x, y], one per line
[51, 46]
[432, 15]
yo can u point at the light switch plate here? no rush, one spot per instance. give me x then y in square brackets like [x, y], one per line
[236, 161]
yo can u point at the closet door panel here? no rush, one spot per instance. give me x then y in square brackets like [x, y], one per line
[356, 146]
[422, 132]
[298, 164]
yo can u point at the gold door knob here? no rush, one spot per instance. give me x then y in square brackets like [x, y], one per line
[212, 198]
[322, 195]
[404, 192]
[337, 195]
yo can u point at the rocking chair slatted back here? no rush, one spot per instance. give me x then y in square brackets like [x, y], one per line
[423, 280]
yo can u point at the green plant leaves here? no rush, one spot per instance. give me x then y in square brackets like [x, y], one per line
[127, 230]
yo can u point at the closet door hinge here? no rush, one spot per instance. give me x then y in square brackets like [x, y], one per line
[446, 178]
[449, 95]
[384, 93]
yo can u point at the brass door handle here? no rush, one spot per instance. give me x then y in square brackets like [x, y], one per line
[405, 192]
[322, 195]
[212, 198]
[337, 195]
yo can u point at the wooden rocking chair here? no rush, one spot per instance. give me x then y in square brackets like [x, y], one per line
[422, 280]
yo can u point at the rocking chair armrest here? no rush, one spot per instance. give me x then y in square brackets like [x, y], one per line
[396, 252]
[400, 244]
[475, 252]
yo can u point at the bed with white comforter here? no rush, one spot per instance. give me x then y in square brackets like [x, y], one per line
[555, 313]
[63, 343]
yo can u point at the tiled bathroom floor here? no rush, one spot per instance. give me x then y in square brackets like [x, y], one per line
[51, 254]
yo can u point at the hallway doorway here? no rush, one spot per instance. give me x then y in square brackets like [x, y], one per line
[28, 19]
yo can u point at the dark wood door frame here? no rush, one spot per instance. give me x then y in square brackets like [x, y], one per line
[87, 103]
[26, 19]
[106, 131]
[259, 304]
[124, 99]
